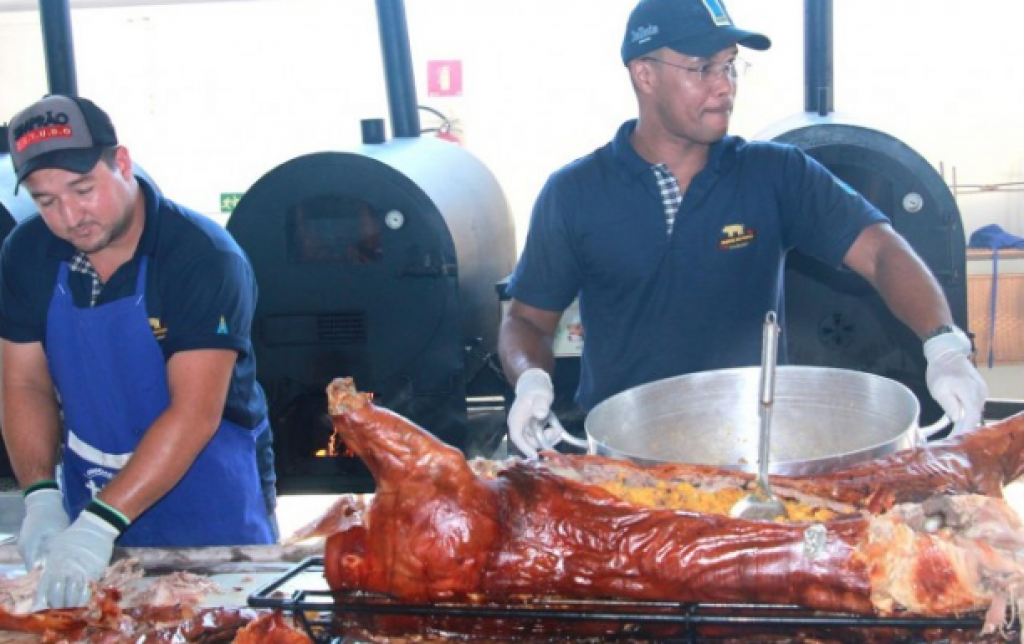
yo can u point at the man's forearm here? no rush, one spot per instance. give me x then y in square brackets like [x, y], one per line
[198, 382]
[30, 413]
[912, 293]
[160, 461]
[522, 346]
[32, 434]
[900, 277]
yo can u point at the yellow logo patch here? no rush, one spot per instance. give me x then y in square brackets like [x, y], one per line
[736, 236]
[159, 330]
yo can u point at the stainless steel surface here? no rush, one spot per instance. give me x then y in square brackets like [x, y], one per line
[12, 511]
[762, 504]
[237, 571]
[234, 581]
[824, 419]
[201, 558]
[471, 201]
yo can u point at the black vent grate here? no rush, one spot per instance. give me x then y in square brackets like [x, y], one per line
[345, 328]
[339, 327]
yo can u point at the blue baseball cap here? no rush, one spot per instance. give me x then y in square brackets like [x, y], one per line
[691, 27]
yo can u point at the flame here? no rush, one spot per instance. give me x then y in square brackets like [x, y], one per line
[335, 447]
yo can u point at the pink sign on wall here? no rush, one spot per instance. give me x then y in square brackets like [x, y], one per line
[444, 78]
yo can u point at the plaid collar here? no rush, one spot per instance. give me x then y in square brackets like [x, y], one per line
[80, 264]
[671, 195]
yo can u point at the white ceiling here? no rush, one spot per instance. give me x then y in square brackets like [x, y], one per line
[28, 5]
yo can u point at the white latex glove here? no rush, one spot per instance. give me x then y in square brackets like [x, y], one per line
[45, 518]
[954, 382]
[78, 555]
[528, 416]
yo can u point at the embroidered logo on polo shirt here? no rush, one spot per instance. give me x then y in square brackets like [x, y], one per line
[736, 236]
[159, 330]
[222, 328]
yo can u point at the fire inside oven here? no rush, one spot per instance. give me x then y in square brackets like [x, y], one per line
[334, 229]
[376, 264]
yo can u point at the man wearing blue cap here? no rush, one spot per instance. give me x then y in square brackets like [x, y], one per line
[673, 238]
[125, 322]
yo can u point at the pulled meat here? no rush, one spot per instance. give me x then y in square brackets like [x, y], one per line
[104, 621]
[17, 592]
[174, 589]
[923, 532]
[165, 609]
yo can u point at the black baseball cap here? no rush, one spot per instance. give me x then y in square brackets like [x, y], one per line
[58, 131]
[691, 27]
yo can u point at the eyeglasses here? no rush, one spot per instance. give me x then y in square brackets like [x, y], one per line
[711, 72]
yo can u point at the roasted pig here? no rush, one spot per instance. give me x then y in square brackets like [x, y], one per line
[922, 532]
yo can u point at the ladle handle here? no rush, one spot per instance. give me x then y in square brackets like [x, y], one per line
[769, 354]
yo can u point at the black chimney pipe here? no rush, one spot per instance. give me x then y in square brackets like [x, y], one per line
[401, 84]
[819, 91]
[55, 16]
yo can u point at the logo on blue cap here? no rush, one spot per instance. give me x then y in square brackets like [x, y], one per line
[718, 13]
[642, 34]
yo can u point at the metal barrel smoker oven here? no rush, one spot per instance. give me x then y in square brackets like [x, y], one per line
[833, 318]
[377, 263]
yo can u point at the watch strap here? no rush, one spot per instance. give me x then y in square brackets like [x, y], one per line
[942, 329]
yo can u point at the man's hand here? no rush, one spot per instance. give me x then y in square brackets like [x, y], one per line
[45, 518]
[78, 555]
[530, 410]
[953, 381]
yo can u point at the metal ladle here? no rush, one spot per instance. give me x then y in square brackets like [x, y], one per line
[762, 504]
[549, 432]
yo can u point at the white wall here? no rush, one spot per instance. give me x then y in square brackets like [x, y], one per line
[209, 96]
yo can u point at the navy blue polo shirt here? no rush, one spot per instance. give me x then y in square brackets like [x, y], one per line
[653, 305]
[200, 291]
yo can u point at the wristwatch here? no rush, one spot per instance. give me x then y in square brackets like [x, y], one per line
[942, 329]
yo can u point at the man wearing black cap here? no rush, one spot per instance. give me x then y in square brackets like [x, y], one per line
[673, 238]
[125, 322]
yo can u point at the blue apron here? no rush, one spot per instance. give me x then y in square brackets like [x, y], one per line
[111, 377]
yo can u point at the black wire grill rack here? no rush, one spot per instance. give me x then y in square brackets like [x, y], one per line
[337, 618]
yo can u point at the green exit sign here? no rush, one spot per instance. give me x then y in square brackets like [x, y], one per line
[228, 201]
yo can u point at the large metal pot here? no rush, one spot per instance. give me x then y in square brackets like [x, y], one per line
[823, 419]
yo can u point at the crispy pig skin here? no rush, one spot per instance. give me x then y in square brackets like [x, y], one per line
[569, 538]
[436, 525]
[437, 530]
[271, 628]
[979, 462]
[56, 620]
